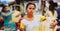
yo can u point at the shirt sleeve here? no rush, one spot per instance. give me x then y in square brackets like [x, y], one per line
[22, 24]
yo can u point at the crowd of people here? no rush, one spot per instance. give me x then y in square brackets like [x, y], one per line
[14, 20]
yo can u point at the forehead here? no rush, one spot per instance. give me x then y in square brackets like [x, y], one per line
[31, 6]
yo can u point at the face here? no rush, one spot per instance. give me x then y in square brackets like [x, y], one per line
[30, 9]
[6, 9]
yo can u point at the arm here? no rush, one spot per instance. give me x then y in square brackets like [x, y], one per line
[6, 15]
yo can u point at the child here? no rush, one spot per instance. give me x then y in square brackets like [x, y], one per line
[7, 16]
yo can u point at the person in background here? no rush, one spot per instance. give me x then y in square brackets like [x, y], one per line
[7, 16]
[50, 22]
[1, 22]
[58, 13]
[43, 7]
[30, 22]
[16, 16]
[53, 15]
[52, 9]
[51, 2]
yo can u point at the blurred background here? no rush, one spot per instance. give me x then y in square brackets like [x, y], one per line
[21, 5]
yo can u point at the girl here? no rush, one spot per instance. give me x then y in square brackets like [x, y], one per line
[30, 22]
[7, 16]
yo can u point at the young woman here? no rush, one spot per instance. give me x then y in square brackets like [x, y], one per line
[7, 16]
[50, 23]
[51, 13]
[30, 22]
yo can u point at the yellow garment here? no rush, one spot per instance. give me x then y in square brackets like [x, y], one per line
[44, 26]
[15, 18]
[50, 17]
[42, 18]
[38, 29]
[22, 25]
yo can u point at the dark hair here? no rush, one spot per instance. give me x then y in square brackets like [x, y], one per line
[3, 8]
[55, 5]
[51, 8]
[51, 2]
[18, 8]
[30, 4]
[44, 3]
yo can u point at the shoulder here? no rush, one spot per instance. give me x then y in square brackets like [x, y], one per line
[24, 21]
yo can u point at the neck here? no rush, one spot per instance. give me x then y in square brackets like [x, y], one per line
[30, 15]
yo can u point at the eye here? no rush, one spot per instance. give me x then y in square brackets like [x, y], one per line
[30, 8]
